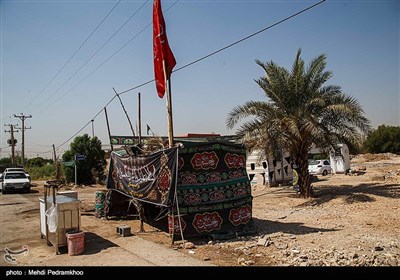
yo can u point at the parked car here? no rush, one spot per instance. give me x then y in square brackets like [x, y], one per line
[13, 181]
[318, 167]
[19, 169]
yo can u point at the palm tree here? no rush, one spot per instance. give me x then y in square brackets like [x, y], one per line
[299, 111]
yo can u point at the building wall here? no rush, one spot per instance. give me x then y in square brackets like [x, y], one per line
[269, 172]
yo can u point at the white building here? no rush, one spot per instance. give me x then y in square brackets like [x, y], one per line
[271, 171]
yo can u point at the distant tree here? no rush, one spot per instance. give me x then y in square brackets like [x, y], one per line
[94, 163]
[384, 139]
[38, 162]
[299, 111]
[5, 161]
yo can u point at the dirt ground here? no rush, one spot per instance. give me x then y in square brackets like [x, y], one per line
[353, 220]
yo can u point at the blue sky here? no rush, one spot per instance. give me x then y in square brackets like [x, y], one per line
[360, 39]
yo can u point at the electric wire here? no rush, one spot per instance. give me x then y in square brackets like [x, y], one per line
[66, 63]
[104, 62]
[96, 52]
[198, 60]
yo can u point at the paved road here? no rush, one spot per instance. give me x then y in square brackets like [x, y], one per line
[20, 225]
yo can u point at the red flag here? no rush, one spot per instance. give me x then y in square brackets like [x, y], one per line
[161, 51]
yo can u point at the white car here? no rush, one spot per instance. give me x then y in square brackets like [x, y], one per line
[13, 181]
[318, 167]
[19, 169]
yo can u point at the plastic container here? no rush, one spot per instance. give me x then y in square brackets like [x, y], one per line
[76, 243]
[100, 204]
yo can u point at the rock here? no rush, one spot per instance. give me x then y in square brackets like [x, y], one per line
[241, 260]
[378, 248]
[206, 258]
[276, 234]
[258, 255]
[392, 262]
[180, 242]
[280, 246]
[249, 262]
[296, 247]
[210, 242]
[282, 217]
[303, 257]
[247, 252]
[189, 245]
[292, 236]
[263, 241]
[191, 252]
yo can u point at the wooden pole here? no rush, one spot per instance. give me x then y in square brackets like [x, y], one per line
[12, 145]
[139, 120]
[108, 128]
[54, 155]
[169, 109]
[283, 176]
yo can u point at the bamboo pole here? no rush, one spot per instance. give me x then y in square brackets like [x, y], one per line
[126, 113]
[108, 128]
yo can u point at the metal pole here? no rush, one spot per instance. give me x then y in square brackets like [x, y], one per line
[76, 173]
[92, 128]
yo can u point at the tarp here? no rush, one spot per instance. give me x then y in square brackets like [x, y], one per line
[213, 192]
[148, 178]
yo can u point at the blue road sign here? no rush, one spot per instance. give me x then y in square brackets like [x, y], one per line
[80, 157]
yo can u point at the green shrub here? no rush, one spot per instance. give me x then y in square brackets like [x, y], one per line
[45, 172]
[384, 139]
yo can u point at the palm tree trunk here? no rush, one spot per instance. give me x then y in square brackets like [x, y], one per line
[304, 177]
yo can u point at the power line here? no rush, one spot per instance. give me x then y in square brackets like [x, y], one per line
[198, 60]
[232, 44]
[104, 62]
[66, 63]
[96, 52]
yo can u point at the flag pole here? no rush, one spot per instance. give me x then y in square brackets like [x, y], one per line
[169, 108]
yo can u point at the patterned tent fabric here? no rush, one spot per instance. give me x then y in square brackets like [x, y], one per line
[148, 178]
[213, 192]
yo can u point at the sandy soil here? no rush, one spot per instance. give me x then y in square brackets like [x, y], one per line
[354, 220]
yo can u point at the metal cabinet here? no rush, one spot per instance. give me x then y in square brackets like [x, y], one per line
[69, 219]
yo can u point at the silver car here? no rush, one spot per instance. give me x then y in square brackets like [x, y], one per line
[319, 167]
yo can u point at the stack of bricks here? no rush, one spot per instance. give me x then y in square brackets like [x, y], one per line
[124, 230]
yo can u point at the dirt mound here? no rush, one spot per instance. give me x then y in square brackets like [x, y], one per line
[373, 157]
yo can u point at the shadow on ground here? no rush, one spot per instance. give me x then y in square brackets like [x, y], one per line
[95, 243]
[268, 227]
[352, 194]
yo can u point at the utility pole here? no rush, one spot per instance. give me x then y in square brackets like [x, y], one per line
[92, 128]
[54, 155]
[12, 142]
[22, 117]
